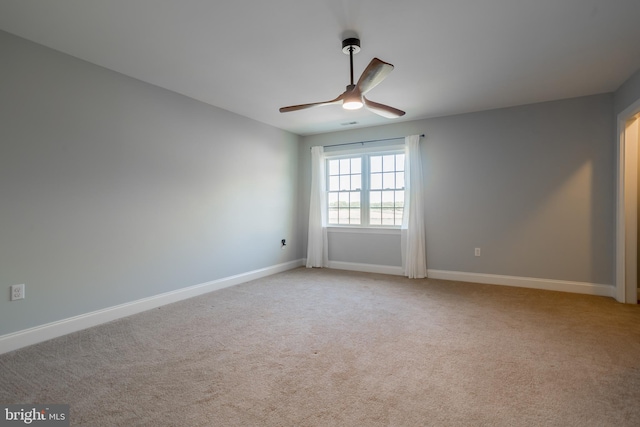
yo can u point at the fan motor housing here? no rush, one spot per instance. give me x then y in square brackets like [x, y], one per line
[350, 44]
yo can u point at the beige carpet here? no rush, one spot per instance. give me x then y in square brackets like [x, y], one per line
[331, 348]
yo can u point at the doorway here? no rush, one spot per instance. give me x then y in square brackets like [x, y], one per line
[628, 205]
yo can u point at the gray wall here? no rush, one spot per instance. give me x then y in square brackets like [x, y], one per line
[530, 185]
[112, 189]
[370, 248]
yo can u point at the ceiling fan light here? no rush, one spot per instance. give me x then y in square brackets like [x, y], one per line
[352, 105]
[352, 101]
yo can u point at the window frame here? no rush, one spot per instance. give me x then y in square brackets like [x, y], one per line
[364, 154]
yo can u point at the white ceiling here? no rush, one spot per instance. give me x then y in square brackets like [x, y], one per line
[254, 56]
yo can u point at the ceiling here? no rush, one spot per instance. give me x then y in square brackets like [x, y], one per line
[253, 56]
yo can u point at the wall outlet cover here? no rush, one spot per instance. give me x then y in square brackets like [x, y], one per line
[17, 292]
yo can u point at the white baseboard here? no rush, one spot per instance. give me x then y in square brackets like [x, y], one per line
[367, 268]
[489, 279]
[526, 282]
[19, 339]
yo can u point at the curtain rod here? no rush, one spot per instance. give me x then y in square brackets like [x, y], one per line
[365, 142]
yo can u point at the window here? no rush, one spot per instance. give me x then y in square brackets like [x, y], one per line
[366, 189]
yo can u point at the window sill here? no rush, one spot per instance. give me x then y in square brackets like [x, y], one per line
[363, 230]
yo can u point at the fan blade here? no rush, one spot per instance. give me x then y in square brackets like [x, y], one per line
[375, 72]
[315, 104]
[382, 110]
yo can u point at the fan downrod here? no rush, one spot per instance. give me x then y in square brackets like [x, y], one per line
[350, 47]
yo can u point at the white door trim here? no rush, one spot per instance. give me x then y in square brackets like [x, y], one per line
[622, 119]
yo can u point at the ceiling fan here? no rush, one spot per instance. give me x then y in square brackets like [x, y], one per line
[353, 98]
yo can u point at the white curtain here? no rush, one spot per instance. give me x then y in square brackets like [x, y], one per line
[414, 257]
[317, 250]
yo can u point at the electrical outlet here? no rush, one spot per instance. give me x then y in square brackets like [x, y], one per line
[17, 292]
[477, 252]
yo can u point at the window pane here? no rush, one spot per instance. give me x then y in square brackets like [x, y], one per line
[376, 181]
[356, 165]
[334, 183]
[333, 200]
[375, 207]
[400, 198]
[388, 163]
[387, 216]
[400, 162]
[399, 179]
[399, 212]
[387, 198]
[334, 167]
[354, 216]
[345, 182]
[376, 163]
[354, 199]
[375, 199]
[344, 200]
[343, 216]
[356, 182]
[375, 216]
[345, 166]
[333, 216]
[388, 180]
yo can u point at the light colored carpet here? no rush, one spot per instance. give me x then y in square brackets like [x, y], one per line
[331, 348]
